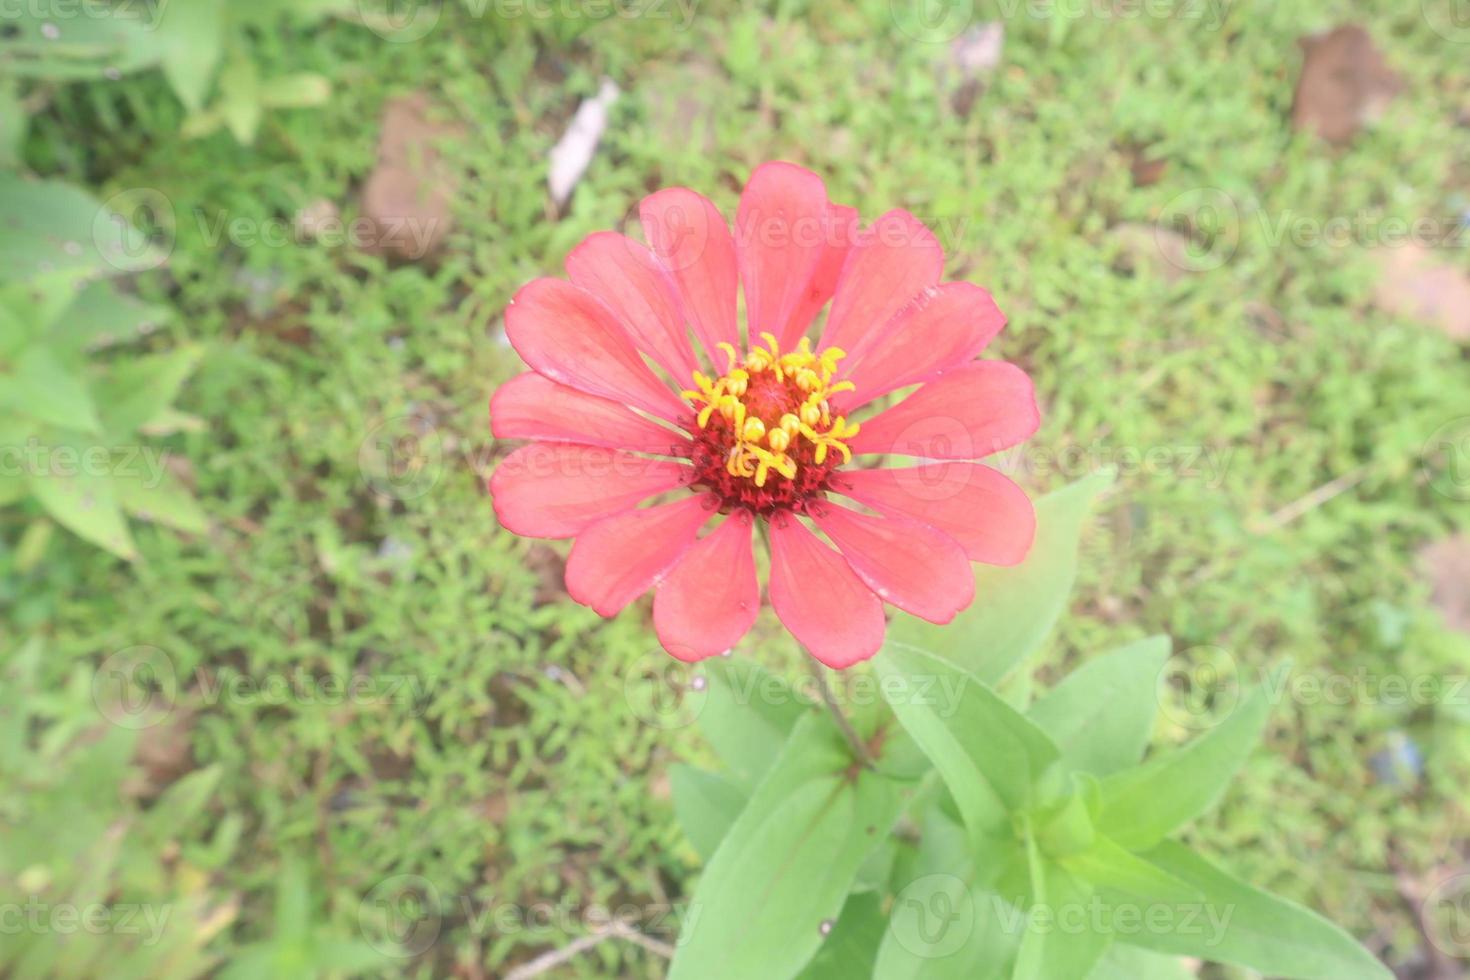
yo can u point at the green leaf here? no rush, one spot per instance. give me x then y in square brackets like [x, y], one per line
[945, 925]
[39, 385]
[1144, 805]
[54, 227]
[988, 754]
[182, 802]
[82, 499]
[13, 125]
[1124, 962]
[191, 40]
[1247, 927]
[161, 499]
[1106, 865]
[37, 44]
[1016, 607]
[1102, 714]
[239, 105]
[1059, 939]
[747, 717]
[301, 91]
[787, 865]
[852, 946]
[706, 805]
[139, 390]
[100, 316]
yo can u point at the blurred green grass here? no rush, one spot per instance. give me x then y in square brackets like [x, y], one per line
[521, 775]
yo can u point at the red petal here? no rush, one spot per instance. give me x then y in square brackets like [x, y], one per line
[618, 559]
[780, 238]
[711, 598]
[568, 335]
[625, 275]
[546, 490]
[982, 509]
[967, 413]
[819, 598]
[911, 565]
[841, 233]
[893, 261]
[530, 406]
[692, 242]
[943, 327]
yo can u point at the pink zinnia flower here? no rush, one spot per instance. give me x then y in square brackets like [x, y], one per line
[642, 436]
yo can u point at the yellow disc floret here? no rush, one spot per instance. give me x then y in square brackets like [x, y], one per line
[776, 408]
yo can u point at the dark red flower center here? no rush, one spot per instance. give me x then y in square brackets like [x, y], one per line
[766, 438]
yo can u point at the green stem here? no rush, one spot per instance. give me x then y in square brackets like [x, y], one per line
[859, 750]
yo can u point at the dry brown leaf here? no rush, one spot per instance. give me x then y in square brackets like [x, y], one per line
[408, 196]
[1446, 564]
[1345, 84]
[970, 60]
[1414, 283]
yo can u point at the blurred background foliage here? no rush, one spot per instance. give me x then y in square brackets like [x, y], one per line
[315, 405]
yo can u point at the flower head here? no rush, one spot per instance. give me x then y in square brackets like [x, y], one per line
[653, 416]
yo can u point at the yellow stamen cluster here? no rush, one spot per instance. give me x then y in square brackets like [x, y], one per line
[760, 447]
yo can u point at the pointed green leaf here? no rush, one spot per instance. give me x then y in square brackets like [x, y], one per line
[787, 865]
[300, 91]
[1016, 607]
[191, 38]
[1247, 927]
[161, 499]
[988, 754]
[1102, 714]
[84, 501]
[852, 946]
[1106, 865]
[748, 715]
[40, 386]
[1059, 938]
[706, 805]
[1144, 805]
[1124, 962]
[52, 227]
[944, 924]
[100, 315]
[140, 389]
